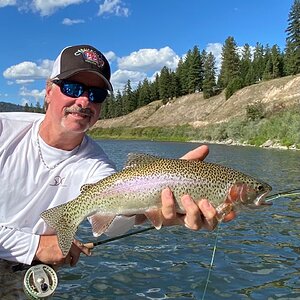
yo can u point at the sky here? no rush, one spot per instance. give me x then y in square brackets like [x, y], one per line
[138, 37]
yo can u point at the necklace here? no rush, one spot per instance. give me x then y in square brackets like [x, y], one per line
[42, 158]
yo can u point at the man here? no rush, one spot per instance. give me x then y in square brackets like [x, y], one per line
[45, 159]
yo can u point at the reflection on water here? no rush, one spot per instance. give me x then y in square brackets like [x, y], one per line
[258, 253]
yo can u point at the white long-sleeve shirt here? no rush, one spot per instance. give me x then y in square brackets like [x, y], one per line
[28, 187]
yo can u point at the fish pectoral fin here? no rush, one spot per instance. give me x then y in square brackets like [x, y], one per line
[155, 217]
[100, 223]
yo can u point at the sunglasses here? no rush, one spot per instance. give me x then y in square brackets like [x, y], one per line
[75, 89]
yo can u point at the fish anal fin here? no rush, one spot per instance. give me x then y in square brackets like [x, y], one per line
[155, 217]
[100, 223]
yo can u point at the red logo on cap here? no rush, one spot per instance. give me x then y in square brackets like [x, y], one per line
[90, 56]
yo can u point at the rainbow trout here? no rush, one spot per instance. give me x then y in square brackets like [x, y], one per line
[137, 190]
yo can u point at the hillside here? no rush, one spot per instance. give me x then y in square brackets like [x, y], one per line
[6, 107]
[196, 111]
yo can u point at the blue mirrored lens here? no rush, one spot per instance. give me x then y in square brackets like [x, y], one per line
[75, 90]
[97, 95]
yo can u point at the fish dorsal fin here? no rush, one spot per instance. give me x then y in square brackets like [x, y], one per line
[139, 159]
[85, 187]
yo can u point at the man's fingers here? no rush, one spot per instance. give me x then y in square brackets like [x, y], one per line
[75, 251]
[209, 214]
[197, 154]
[83, 248]
[168, 208]
[192, 218]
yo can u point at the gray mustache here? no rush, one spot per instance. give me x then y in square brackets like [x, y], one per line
[86, 111]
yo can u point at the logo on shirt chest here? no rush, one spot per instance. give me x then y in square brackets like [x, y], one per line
[58, 181]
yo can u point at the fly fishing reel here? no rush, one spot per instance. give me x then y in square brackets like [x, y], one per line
[40, 282]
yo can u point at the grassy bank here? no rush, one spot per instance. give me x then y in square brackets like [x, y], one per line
[282, 127]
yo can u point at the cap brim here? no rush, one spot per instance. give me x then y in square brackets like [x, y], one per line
[68, 74]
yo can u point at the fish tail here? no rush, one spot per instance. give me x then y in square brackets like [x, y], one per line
[64, 227]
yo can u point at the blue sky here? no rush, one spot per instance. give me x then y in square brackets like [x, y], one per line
[138, 37]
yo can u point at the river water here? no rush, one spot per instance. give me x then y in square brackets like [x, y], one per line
[257, 256]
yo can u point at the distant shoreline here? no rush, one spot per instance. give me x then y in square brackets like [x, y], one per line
[267, 145]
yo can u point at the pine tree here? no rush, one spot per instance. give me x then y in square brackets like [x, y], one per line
[277, 62]
[130, 103]
[154, 89]
[258, 62]
[165, 84]
[195, 70]
[268, 64]
[209, 81]
[292, 59]
[182, 72]
[118, 103]
[246, 62]
[144, 97]
[230, 68]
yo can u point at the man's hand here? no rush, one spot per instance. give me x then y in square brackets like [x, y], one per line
[200, 213]
[48, 252]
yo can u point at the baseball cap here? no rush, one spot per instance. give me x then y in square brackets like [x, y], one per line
[81, 58]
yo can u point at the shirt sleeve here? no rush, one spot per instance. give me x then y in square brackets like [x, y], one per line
[17, 245]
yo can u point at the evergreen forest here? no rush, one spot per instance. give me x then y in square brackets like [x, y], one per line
[197, 72]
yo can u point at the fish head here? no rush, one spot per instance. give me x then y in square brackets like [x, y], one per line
[250, 193]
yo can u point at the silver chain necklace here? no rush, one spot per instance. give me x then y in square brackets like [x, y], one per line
[42, 158]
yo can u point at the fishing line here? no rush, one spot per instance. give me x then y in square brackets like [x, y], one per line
[289, 193]
[211, 261]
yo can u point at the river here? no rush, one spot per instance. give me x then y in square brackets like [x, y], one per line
[257, 255]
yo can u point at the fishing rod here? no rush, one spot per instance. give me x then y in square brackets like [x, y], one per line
[92, 245]
[40, 281]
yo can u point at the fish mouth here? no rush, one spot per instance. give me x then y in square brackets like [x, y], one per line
[261, 200]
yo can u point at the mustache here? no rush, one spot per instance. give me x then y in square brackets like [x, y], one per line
[85, 111]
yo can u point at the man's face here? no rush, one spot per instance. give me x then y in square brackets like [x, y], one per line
[74, 114]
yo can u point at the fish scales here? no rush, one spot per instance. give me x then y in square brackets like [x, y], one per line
[137, 190]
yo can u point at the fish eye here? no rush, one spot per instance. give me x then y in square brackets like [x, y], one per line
[260, 187]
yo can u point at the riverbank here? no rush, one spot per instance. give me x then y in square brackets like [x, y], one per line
[269, 144]
[279, 130]
[266, 115]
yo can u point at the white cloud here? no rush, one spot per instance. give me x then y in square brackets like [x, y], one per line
[113, 7]
[37, 95]
[48, 7]
[110, 56]
[29, 71]
[43, 7]
[216, 50]
[149, 60]
[120, 78]
[24, 81]
[4, 3]
[69, 22]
